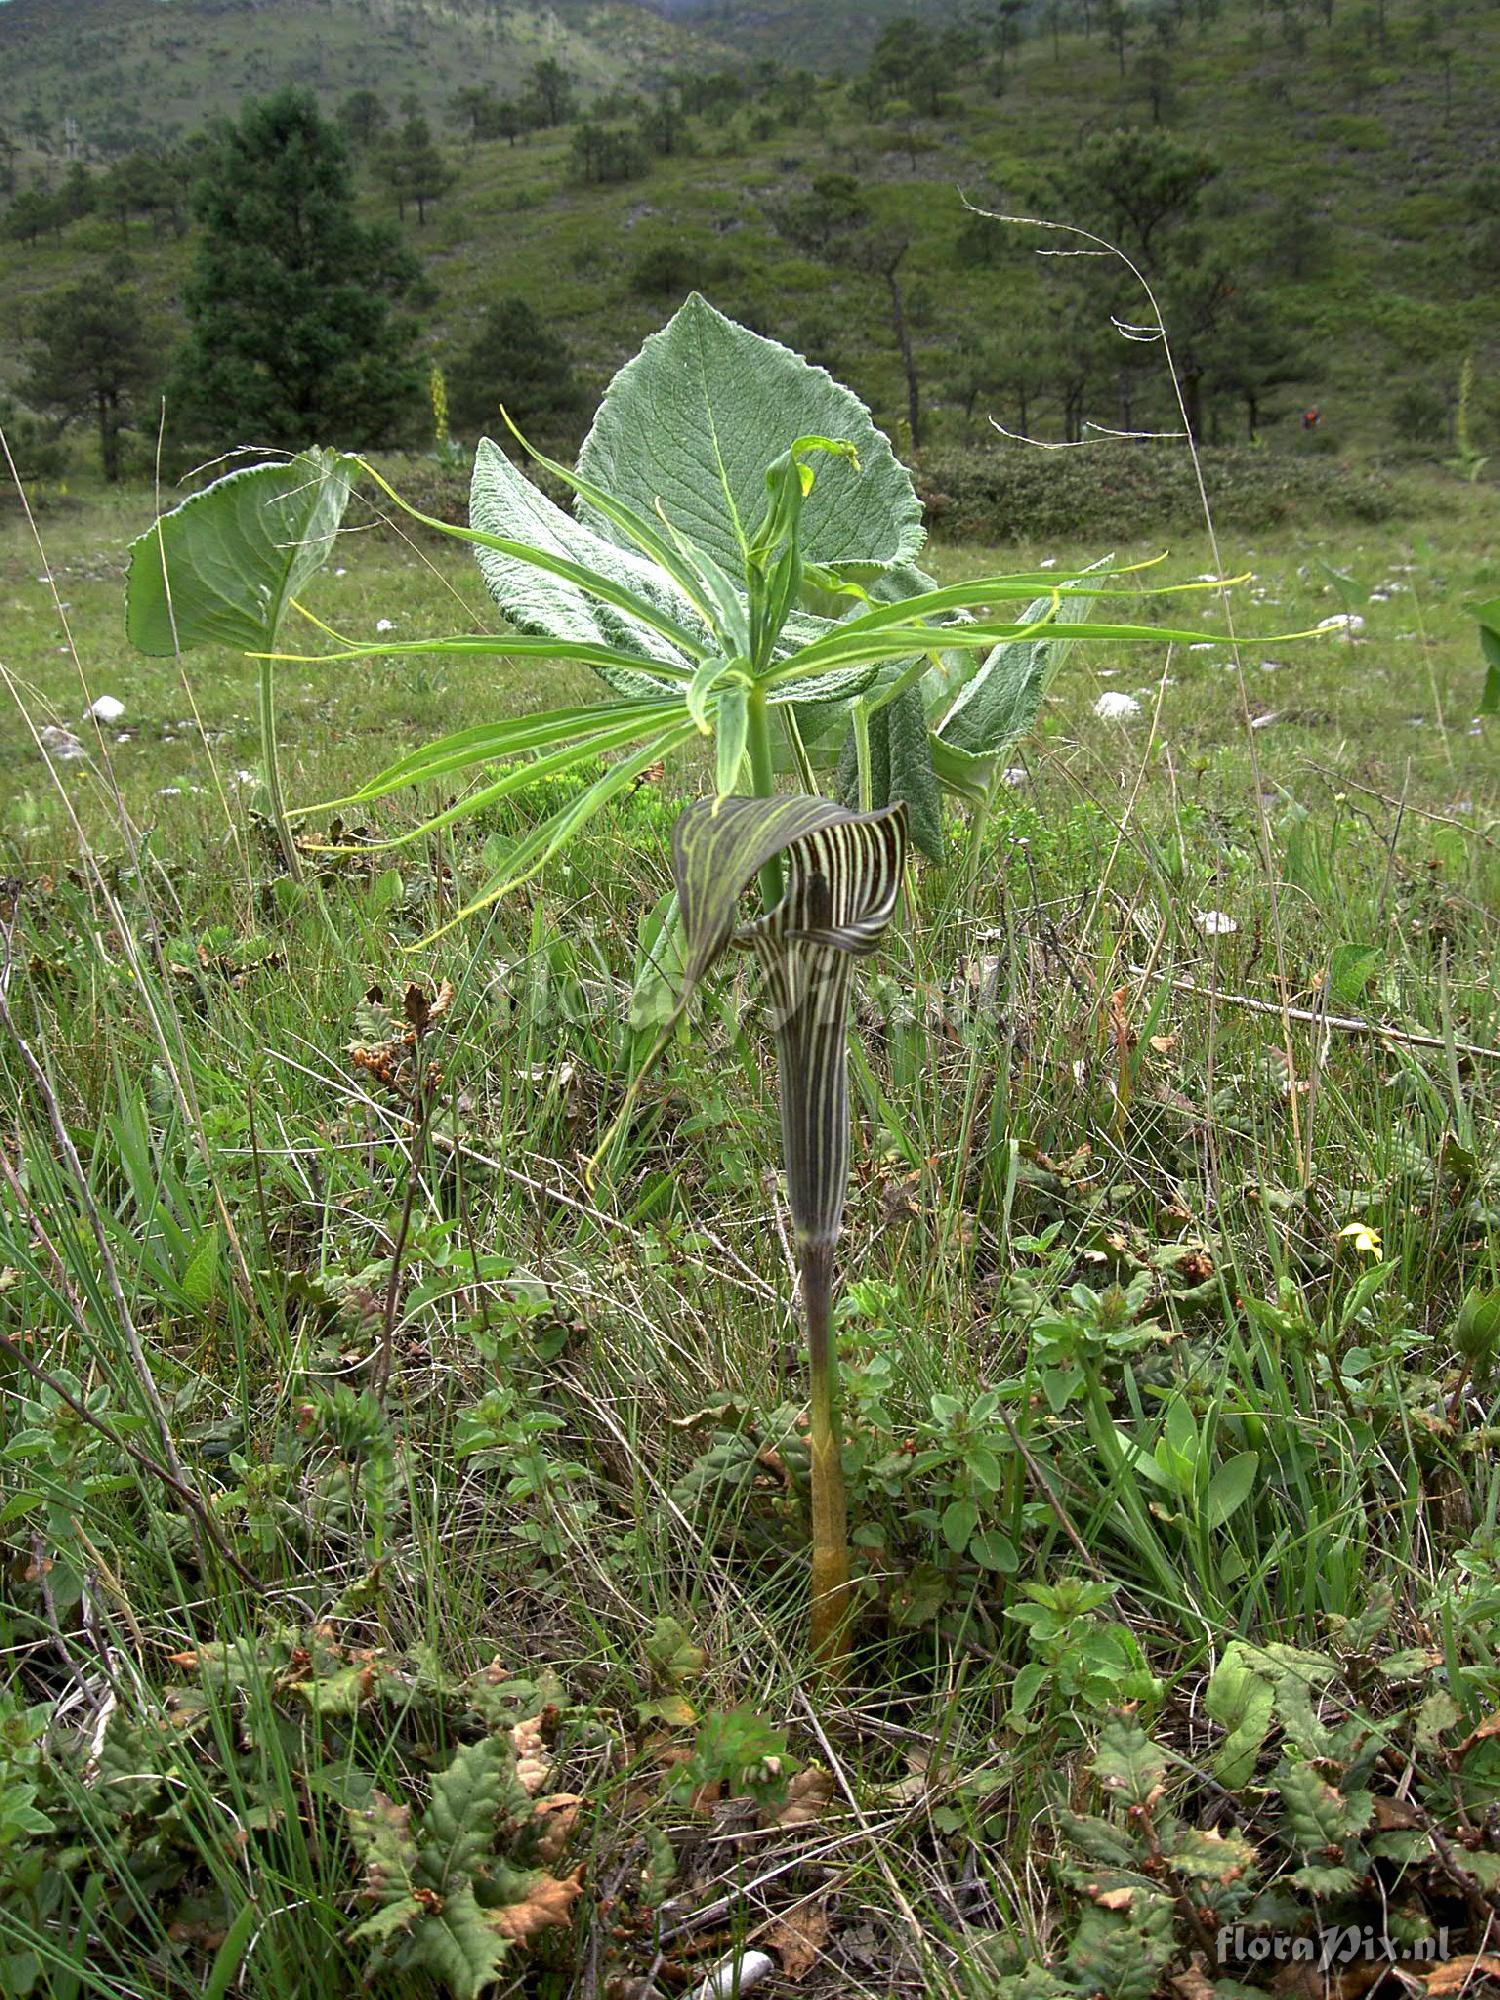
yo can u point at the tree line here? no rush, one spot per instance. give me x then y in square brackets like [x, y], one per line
[353, 299]
[301, 319]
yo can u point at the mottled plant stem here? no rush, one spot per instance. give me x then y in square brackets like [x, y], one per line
[831, 1603]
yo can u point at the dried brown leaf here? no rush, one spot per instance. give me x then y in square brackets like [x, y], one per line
[1489, 1727]
[1395, 1816]
[798, 1939]
[549, 1904]
[555, 1817]
[1456, 1973]
[808, 1797]
[1193, 1983]
[533, 1765]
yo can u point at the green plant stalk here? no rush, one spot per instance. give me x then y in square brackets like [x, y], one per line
[831, 1604]
[860, 715]
[269, 757]
[763, 778]
[979, 819]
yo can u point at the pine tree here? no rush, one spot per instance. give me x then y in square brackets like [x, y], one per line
[293, 339]
[515, 360]
[415, 168]
[93, 357]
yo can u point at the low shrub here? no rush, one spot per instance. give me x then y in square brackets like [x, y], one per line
[1120, 490]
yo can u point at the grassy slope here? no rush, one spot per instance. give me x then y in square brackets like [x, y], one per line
[670, 1288]
[981, 1127]
[181, 64]
[1391, 299]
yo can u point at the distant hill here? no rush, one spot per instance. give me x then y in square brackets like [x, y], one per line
[1355, 211]
[97, 76]
[823, 34]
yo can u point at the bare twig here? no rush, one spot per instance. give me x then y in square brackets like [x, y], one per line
[1348, 1024]
[1386, 799]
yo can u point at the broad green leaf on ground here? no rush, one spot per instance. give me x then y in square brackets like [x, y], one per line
[690, 425]
[221, 569]
[1128, 1762]
[504, 503]
[1351, 967]
[1230, 1487]
[1489, 645]
[1242, 1701]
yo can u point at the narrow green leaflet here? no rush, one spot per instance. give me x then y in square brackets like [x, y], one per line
[536, 848]
[619, 735]
[694, 420]
[848, 645]
[491, 741]
[1001, 703]
[733, 734]
[221, 569]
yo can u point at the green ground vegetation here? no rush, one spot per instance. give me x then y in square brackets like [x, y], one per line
[1168, 1335]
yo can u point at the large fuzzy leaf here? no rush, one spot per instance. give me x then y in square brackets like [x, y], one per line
[1004, 698]
[690, 425]
[901, 768]
[505, 504]
[221, 569]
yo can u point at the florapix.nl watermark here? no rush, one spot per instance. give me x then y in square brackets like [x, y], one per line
[1332, 1945]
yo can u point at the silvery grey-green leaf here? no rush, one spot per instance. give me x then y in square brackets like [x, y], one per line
[694, 420]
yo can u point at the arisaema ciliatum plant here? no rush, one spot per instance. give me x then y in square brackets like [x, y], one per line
[842, 877]
[740, 567]
[740, 570]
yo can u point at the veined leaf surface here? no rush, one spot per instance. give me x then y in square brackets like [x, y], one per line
[505, 503]
[694, 420]
[221, 569]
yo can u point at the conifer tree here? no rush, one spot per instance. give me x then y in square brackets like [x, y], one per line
[295, 337]
[93, 357]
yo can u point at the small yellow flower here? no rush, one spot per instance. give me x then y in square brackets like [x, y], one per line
[1365, 1239]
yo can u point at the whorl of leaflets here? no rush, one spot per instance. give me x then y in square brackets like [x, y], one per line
[843, 876]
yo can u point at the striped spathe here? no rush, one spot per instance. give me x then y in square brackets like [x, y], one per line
[843, 878]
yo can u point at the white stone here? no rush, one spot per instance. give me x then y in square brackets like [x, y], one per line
[107, 708]
[1116, 707]
[60, 743]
